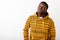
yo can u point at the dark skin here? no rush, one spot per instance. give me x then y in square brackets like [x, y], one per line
[42, 10]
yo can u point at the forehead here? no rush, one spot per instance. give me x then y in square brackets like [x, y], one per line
[41, 4]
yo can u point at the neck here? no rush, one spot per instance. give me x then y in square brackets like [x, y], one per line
[42, 14]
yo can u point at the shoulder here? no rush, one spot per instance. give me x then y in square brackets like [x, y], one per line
[50, 20]
[31, 17]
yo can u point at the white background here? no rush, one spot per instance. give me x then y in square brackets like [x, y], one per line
[14, 13]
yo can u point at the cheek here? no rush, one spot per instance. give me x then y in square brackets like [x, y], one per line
[38, 8]
[44, 9]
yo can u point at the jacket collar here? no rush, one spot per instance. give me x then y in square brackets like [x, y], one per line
[43, 17]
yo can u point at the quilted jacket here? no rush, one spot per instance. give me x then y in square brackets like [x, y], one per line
[40, 28]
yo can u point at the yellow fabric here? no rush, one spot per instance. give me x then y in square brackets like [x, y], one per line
[40, 29]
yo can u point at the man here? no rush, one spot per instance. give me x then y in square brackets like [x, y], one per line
[40, 24]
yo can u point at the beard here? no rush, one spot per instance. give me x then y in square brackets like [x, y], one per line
[42, 14]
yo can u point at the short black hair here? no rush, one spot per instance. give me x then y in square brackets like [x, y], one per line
[45, 4]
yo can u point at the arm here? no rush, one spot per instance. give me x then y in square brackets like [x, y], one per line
[26, 28]
[52, 30]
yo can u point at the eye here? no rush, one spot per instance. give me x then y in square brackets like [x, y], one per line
[42, 8]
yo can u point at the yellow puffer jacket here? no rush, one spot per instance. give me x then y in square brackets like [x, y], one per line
[40, 29]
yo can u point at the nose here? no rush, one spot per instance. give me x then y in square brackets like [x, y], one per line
[41, 8]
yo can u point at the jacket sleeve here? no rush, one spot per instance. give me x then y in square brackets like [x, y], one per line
[26, 28]
[52, 30]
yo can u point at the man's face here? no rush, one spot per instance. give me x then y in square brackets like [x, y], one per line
[42, 8]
